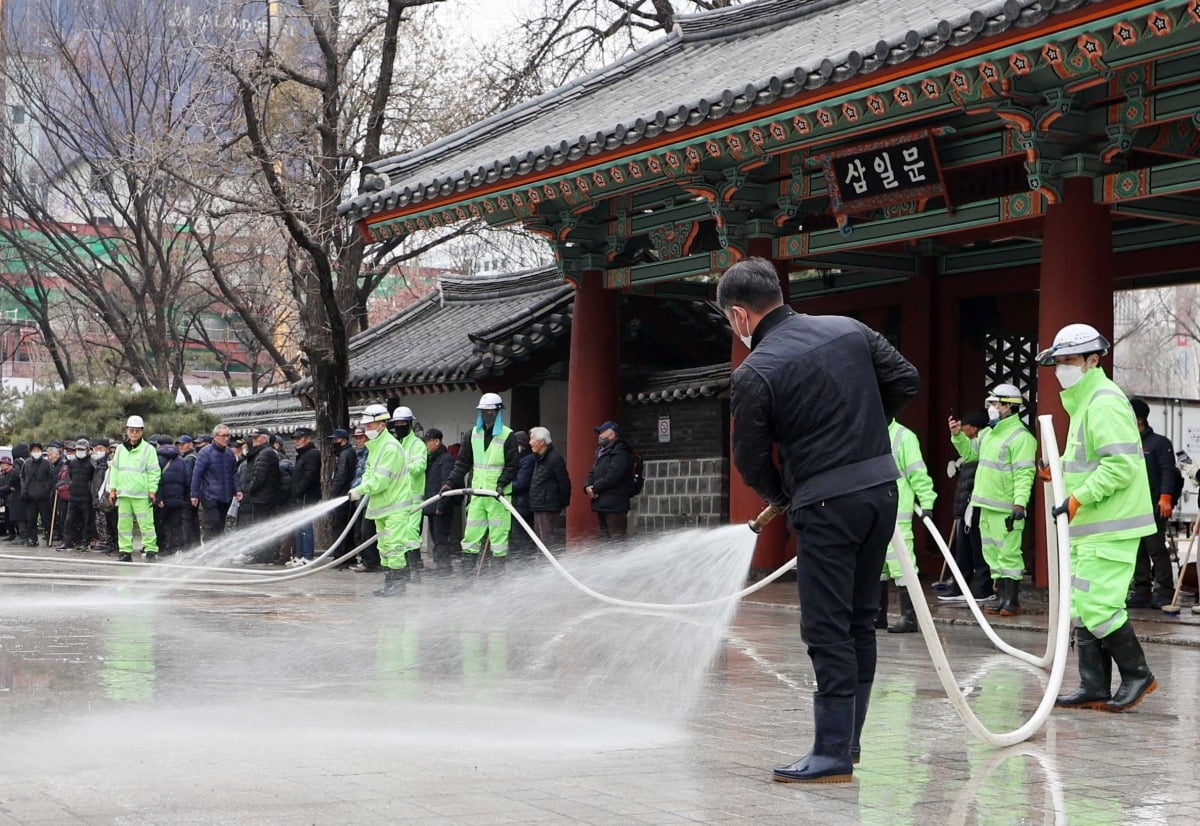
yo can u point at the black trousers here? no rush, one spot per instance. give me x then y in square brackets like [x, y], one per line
[842, 543]
[43, 507]
[968, 553]
[214, 517]
[362, 532]
[78, 523]
[441, 531]
[169, 522]
[1153, 568]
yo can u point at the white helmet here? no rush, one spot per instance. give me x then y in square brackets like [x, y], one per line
[1074, 340]
[403, 414]
[375, 413]
[1006, 394]
[135, 421]
[490, 401]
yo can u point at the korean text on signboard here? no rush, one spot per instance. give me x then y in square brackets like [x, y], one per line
[884, 172]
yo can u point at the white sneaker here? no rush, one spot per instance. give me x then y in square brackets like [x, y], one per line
[955, 598]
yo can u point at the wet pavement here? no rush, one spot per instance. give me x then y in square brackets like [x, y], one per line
[312, 702]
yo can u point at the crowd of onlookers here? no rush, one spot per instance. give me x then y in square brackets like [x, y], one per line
[63, 494]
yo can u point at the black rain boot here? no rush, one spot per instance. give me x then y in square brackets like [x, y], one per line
[499, 565]
[907, 624]
[1136, 679]
[1095, 674]
[829, 760]
[1001, 586]
[1013, 607]
[394, 580]
[862, 700]
[469, 564]
[881, 615]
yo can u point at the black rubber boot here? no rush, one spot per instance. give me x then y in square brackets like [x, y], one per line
[1012, 607]
[1001, 602]
[881, 616]
[468, 565]
[862, 701]
[1095, 674]
[394, 581]
[907, 624]
[829, 760]
[1136, 679]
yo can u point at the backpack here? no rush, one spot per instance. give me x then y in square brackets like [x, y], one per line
[637, 474]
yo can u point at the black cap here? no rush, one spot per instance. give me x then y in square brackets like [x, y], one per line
[57, 445]
[976, 418]
[184, 440]
[339, 433]
[32, 445]
[101, 442]
[522, 437]
[302, 433]
[1140, 409]
[432, 433]
[260, 431]
[613, 426]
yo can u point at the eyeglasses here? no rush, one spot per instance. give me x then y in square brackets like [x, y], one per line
[221, 436]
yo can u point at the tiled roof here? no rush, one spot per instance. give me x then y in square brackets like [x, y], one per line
[467, 330]
[713, 65]
[277, 410]
[674, 385]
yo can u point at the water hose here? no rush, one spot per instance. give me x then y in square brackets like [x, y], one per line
[934, 645]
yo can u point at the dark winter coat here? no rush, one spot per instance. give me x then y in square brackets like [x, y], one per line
[1160, 463]
[551, 487]
[306, 476]
[263, 479]
[37, 479]
[520, 488]
[822, 388]
[360, 465]
[343, 471]
[62, 480]
[286, 466]
[214, 477]
[437, 471]
[99, 471]
[962, 491]
[611, 477]
[16, 499]
[10, 485]
[173, 483]
[80, 473]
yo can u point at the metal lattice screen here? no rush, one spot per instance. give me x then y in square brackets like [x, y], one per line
[1008, 358]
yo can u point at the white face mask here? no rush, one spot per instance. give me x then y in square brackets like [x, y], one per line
[993, 414]
[1068, 375]
[99, 454]
[371, 434]
[81, 454]
[35, 455]
[746, 339]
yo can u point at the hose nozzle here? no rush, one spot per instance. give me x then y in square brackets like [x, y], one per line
[768, 513]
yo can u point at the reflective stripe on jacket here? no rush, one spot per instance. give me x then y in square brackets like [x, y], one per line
[416, 457]
[384, 477]
[1103, 466]
[914, 482]
[135, 471]
[1006, 469]
[489, 463]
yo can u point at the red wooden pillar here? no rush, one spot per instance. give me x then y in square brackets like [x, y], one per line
[772, 549]
[1075, 285]
[592, 389]
[917, 330]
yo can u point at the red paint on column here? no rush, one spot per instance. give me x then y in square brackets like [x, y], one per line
[1076, 285]
[592, 390]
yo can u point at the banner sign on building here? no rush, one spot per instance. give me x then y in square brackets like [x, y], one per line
[880, 173]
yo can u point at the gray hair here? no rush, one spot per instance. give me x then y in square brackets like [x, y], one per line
[221, 427]
[541, 434]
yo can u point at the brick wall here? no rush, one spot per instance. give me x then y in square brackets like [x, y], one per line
[699, 428]
[682, 493]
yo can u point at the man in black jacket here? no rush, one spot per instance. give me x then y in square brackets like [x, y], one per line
[822, 388]
[440, 514]
[261, 492]
[80, 471]
[1153, 577]
[344, 461]
[37, 492]
[550, 490]
[306, 488]
[609, 481]
[10, 492]
[968, 544]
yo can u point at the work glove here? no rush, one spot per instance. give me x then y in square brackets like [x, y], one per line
[1070, 508]
[951, 469]
[1165, 508]
[499, 488]
[1043, 471]
[355, 494]
[1017, 515]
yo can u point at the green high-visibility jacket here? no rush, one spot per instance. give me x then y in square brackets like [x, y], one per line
[385, 478]
[1103, 467]
[1007, 455]
[914, 482]
[416, 457]
[134, 471]
[489, 463]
